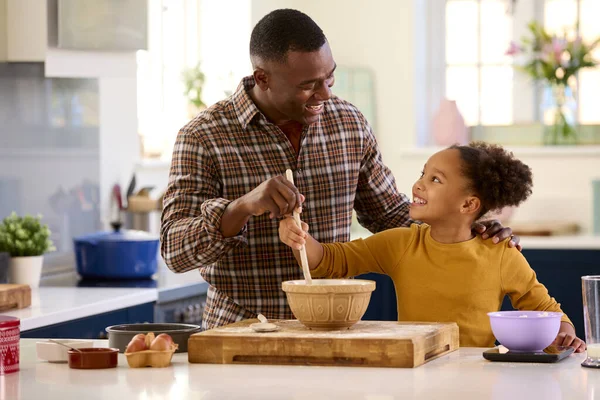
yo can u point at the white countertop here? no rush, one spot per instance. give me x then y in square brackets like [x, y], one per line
[53, 305]
[463, 374]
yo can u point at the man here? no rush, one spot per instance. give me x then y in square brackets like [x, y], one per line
[227, 186]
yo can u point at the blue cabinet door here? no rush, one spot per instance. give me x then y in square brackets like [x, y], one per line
[93, 327]
[561, 271]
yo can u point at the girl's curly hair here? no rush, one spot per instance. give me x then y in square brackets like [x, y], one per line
[496, 176]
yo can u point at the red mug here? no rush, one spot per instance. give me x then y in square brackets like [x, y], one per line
[10, 334]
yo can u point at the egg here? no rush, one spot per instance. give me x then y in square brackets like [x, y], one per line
[149, 339]
[162, 342]
[139, 336]
[135, 345]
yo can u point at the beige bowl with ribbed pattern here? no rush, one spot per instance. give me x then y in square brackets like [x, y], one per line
[329, 304]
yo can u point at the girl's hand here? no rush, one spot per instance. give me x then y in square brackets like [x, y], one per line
[290, 234]
[566, 337]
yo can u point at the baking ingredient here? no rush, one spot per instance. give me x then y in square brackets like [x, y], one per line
[162, 342]
[149, 339]
[139, 335]
[136, 344]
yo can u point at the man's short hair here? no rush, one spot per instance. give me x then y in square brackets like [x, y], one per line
[285, 30]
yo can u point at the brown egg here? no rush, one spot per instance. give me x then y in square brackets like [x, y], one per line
[162, 342]
[136, 345]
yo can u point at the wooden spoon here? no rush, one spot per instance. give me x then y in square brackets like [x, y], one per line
[304, 260]
[264, 325]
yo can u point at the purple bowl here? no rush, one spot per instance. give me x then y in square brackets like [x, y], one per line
[525, 330]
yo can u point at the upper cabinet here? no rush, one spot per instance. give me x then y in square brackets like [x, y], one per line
[29, 27]
[103, 25]
[23, 30]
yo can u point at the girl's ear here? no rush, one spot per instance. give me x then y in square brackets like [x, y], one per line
[471, 205]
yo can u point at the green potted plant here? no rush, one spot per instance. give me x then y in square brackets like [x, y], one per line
[26, 239]
[554, 60]
[193, 80]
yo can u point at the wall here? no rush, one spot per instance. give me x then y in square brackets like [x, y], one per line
[379, 36]
[562, 178]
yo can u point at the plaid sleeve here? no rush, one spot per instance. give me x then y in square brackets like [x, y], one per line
[378, 204]
[192, 209]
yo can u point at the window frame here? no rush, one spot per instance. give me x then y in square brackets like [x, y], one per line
[525, 111]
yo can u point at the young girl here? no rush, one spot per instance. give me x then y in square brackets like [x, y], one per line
[441, 270]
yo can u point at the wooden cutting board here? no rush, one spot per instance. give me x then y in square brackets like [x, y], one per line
[544, 228]
[14, 296]
[366, 344]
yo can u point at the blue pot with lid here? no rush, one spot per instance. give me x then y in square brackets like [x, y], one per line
[119, 254]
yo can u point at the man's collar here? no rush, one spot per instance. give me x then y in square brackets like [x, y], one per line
[245, 108]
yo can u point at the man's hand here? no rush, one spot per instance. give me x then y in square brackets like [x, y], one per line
[277, 196]
[566, 337]
[494, 229]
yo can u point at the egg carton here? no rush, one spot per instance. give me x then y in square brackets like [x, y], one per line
[151, 358]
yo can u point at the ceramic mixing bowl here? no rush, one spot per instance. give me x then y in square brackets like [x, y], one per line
[329, 304]
[525, 330]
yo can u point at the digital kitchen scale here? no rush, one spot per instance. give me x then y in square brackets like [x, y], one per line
[550, 354]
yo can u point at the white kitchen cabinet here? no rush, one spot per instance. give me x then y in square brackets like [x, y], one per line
[23, 30]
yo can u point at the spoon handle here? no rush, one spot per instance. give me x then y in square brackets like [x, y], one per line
[64, 345]
[303, 258]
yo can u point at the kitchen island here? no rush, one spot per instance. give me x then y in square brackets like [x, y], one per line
[463, 374]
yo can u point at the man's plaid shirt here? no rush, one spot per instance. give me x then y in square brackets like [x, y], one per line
[227, 151]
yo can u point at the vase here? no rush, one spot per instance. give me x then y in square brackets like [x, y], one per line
[448, 126]
[25, 270]
[559, 113]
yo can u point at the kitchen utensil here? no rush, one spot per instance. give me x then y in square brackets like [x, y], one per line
[366, 344]
[14, 296]
[130, 189]
[123, 254]
[10, 332]
[50, 351]
[117, 196]
[328, 304]
[64, 345]
[304, 260]
[119, 336]
[93, 358]
[264, 325]
[529, 331]
[590, 289]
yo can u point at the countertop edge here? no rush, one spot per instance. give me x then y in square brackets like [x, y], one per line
[137, 297]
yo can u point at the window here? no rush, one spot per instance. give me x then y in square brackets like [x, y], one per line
[181, 34]
[481, 78]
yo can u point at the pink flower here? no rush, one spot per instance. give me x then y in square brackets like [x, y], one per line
[513, 49]
[558, 46]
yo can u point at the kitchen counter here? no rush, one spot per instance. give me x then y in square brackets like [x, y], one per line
[61, 298]
[463, 374]
[53, 305]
